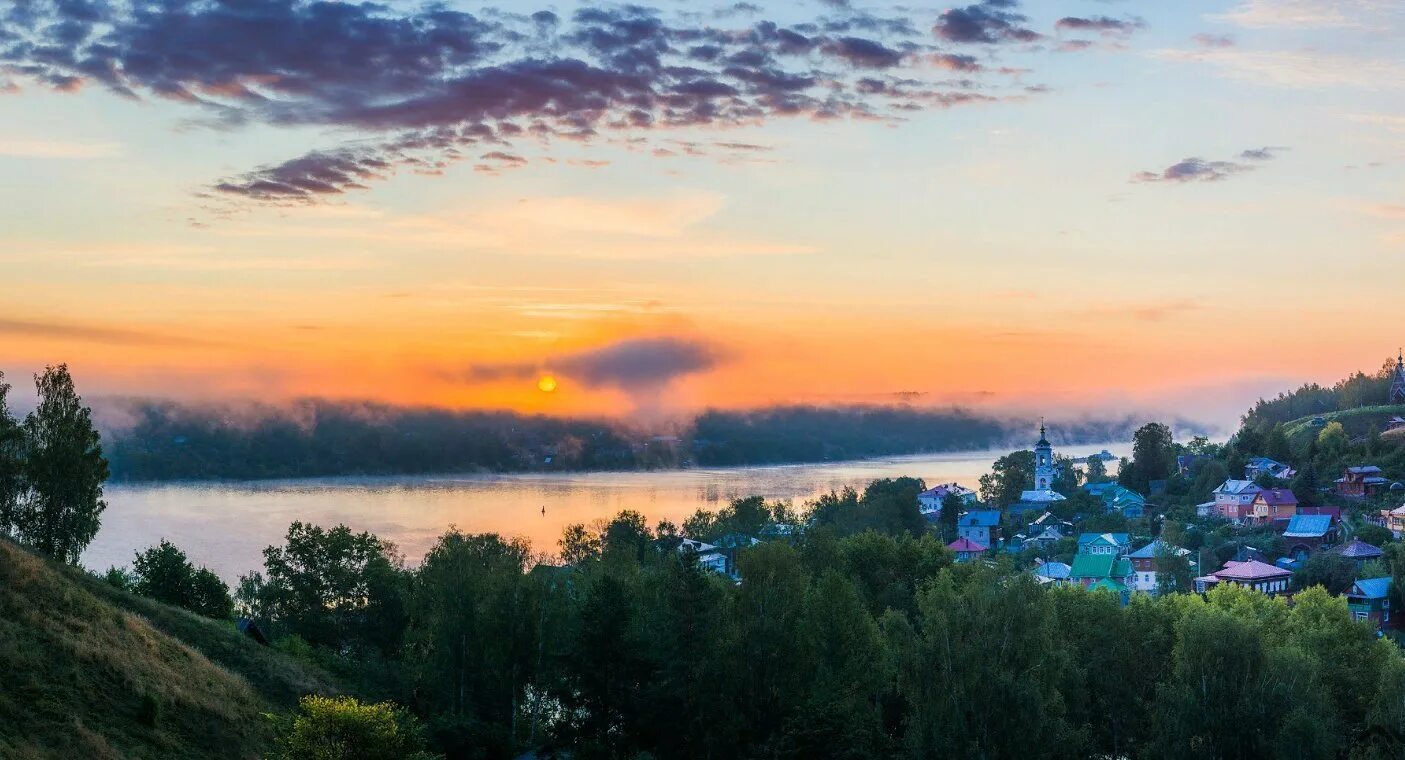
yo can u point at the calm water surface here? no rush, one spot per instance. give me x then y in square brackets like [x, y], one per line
[225, 526]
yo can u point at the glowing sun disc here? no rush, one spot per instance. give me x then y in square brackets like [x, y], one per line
[546, 384]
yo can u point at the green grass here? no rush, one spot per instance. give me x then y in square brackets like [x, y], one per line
[88, 671]
[1356, 421]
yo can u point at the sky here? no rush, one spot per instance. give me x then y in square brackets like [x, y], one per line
[604, 209]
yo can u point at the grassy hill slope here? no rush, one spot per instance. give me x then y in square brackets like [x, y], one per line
[1356, 421]
[89, 671]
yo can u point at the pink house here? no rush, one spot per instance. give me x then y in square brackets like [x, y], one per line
[1260, 576]
[966, 549]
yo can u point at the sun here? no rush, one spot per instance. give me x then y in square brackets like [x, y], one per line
[546, 384]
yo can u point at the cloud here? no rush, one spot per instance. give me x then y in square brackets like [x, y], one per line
[1214, 40]
[58, 149]
[1104, 25]
[990, 22]
[634, 365]
[58, 331]
[1200, 170]
[1364, 14]
[1306, 69]
[427, 86]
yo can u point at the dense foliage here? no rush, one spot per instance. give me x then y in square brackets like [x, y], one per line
[861, 643]
[52, 470]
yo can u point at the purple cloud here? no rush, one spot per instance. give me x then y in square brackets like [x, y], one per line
[1104, 25]
[990, 22]
[1201, 170]
[635, 365]
[427, 86]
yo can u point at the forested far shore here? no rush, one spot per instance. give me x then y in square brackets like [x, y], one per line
[160, 441]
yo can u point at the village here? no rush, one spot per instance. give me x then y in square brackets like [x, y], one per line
[1076, 524]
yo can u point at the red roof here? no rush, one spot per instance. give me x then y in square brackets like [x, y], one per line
[964, 544]
[1277, 497]
[1253, 570]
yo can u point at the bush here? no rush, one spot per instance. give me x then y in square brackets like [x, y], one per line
[342, 728]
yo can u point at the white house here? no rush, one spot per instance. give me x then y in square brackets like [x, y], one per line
[930, 500]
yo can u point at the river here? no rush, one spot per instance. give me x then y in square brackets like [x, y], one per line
[225, 526]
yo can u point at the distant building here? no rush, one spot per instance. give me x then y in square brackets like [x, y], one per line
[1118, 498]
[1360, 552]
[1144, 572]
[1269, 579]
[709, 556]
[980, 525]
[1265, 466]
[1369, 599]
[1273, 504]
[1185, 463]
[966, 549]
[1045, 473]
[1052, 573]
[930, 500]
[1306, 534]
[1394, 520]
[1115, 544]
[1102, 571]
[1234, 498]
[1361, 482]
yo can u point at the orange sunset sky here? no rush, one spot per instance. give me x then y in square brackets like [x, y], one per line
[1057, 207]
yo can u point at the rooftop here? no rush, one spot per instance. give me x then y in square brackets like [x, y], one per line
[1252, 570]
[1308, 526]
[1358, 549]
[980, 518]
[964, 544]
[1370, 588]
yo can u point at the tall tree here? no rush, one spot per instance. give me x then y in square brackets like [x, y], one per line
[165, 574]
[11, 462]
[1010, 475]
[1153, 457]
[64, 470]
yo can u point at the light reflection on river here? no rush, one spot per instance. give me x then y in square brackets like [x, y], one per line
[225, 526]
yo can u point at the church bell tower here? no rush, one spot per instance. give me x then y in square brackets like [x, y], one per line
[1044, 472]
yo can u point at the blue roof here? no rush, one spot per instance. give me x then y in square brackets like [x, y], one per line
[980, 518]
[1122, 539]
[1149, 551]
[1308, 526]
[1055, 570]
[1371, 588]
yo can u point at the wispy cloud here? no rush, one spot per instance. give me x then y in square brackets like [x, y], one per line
[1200, 170]
[1297, 69]
[1317, 14]
[60, 149]
[60, 331]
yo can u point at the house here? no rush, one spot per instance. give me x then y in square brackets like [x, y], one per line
[709, 556]
[1047, 529]
[1052, 573]
[1257, 575]
[1118, 498]
[1308, 533]
[1114, 544]
[1369, 599]
[1394, 520]
[1185, 463]
[1234, 498]
[966, 549]
[1361, 482]
[1205, 509]
[1360, 552]
[980, 525]
[1108, 571]
[1273, 504]
[930, 500]
[1144, 572]
[1265, 466]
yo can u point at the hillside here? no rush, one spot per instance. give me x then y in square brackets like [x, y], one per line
[89, 671]
[1357, 422]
